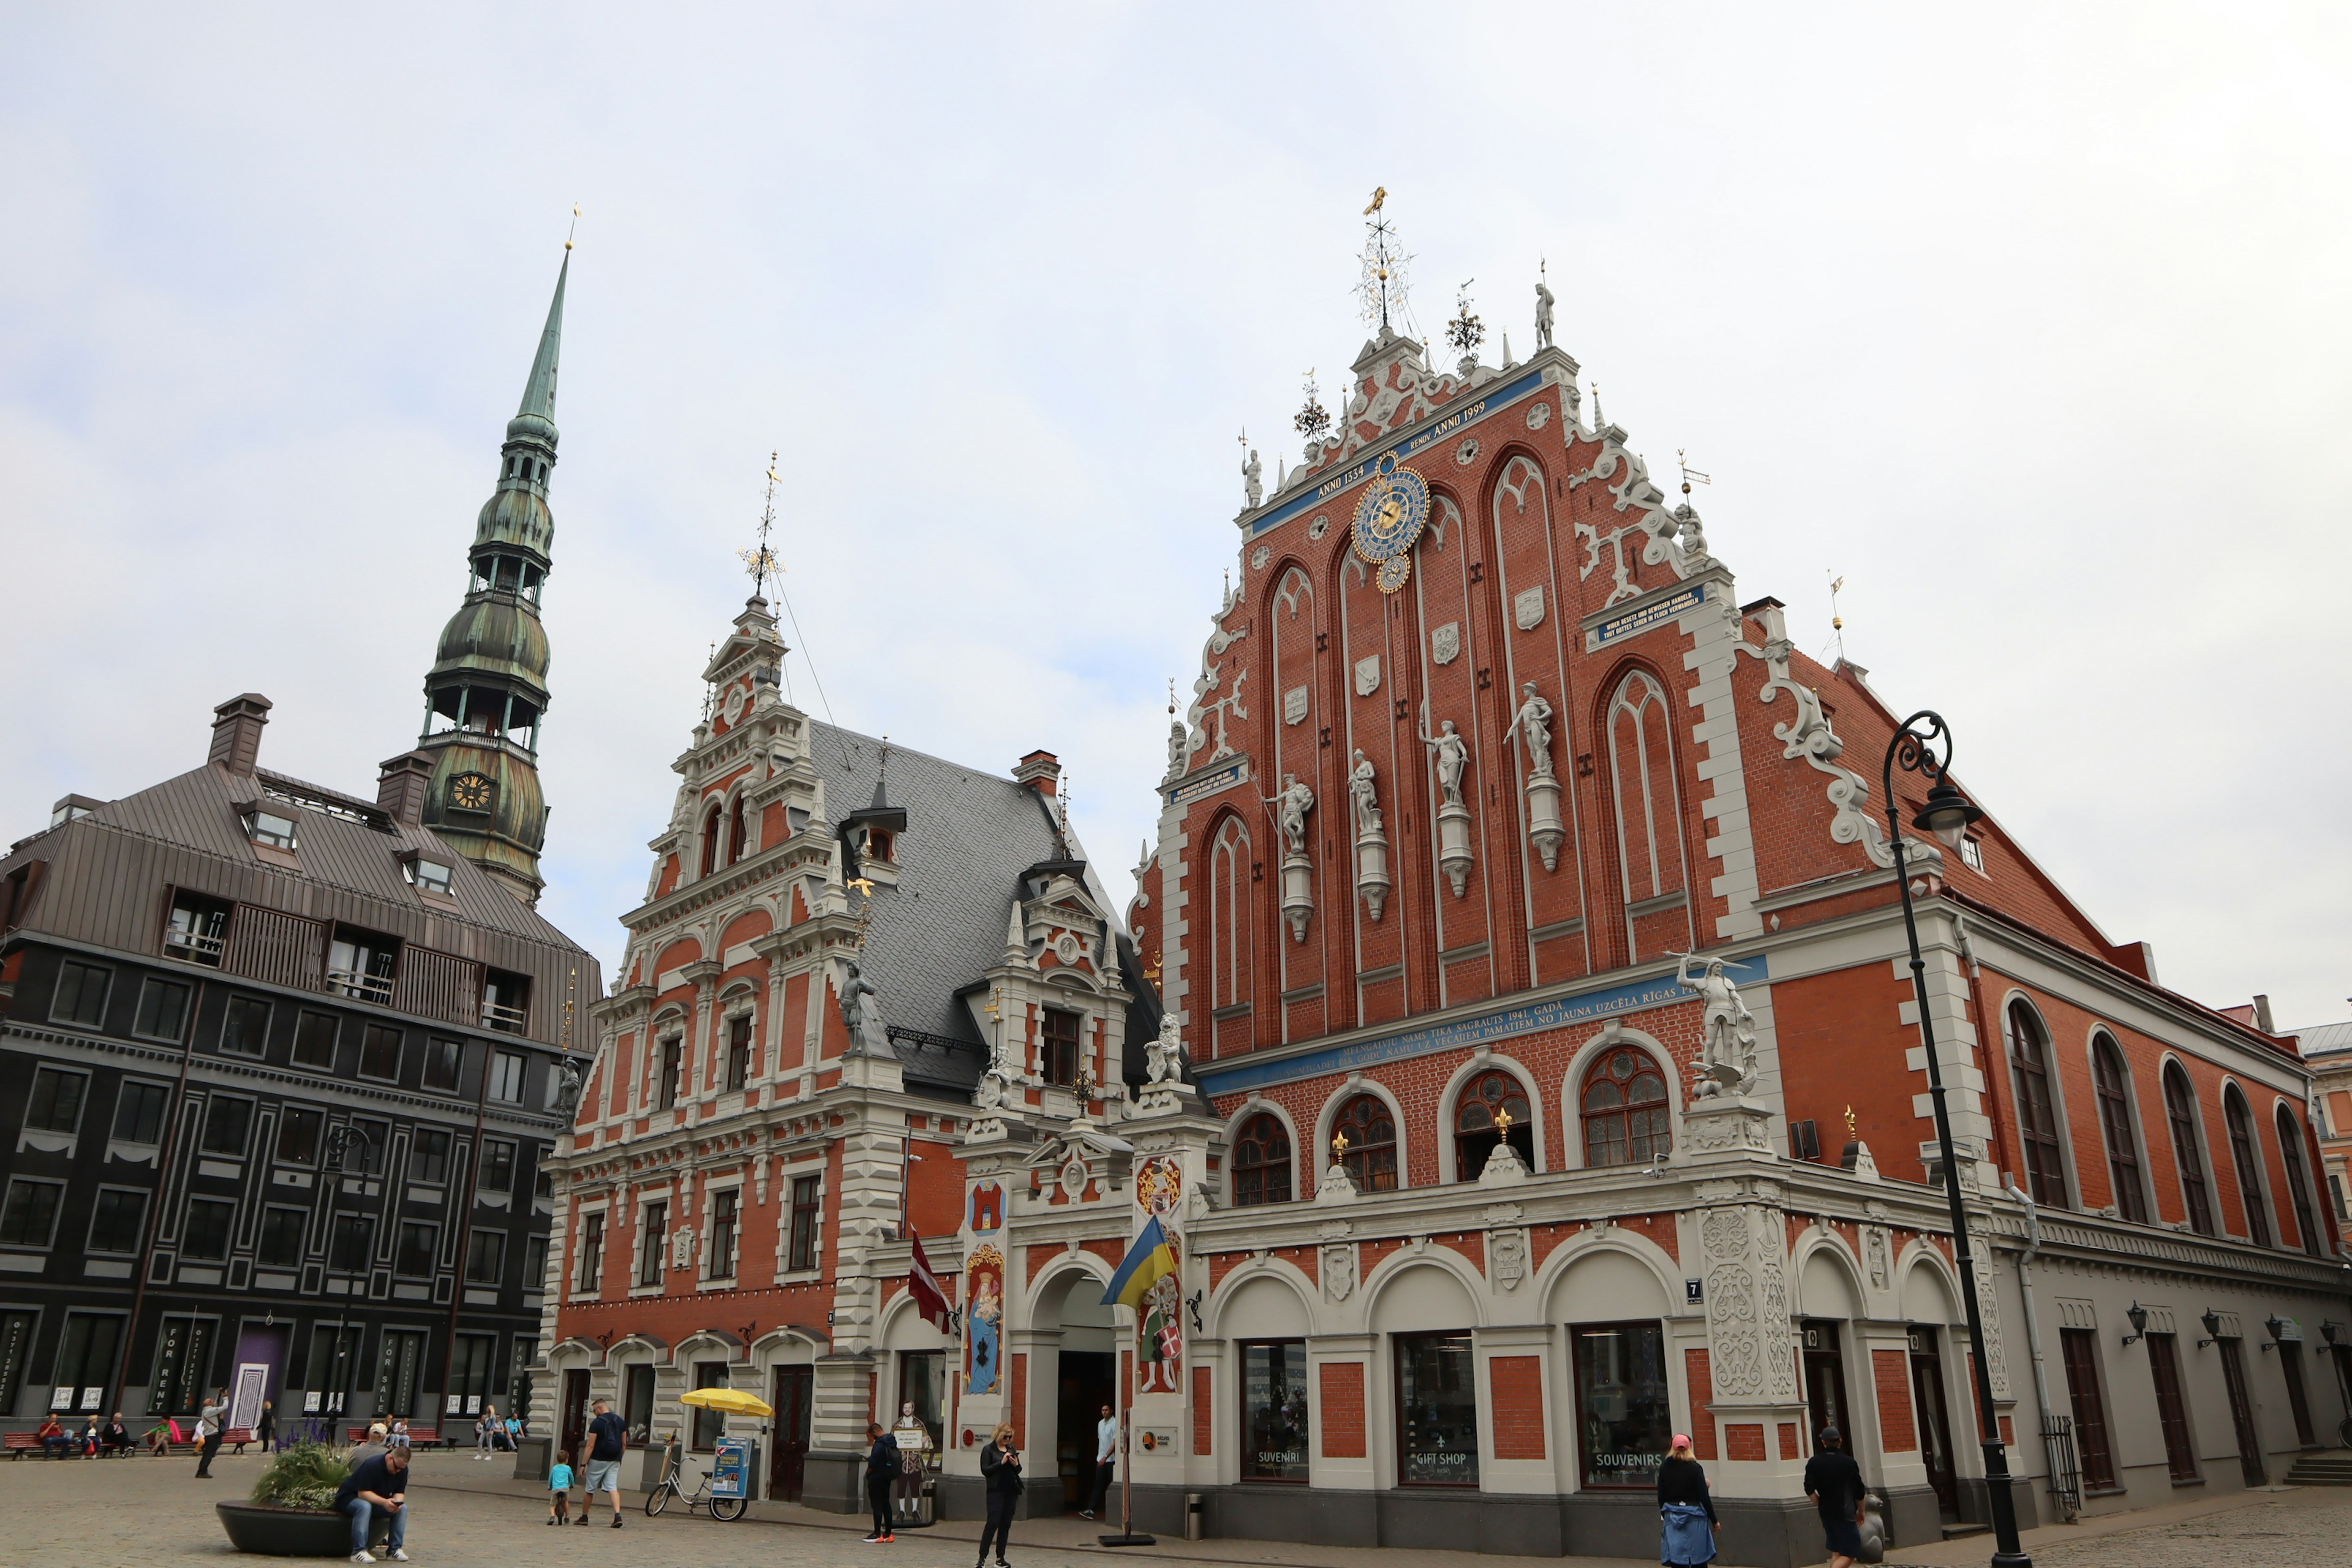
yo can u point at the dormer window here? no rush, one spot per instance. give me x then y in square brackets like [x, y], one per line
[427, 875]
[881, 845]
[360, 963]
[506, 1002]
[269, 830]
[199, 929]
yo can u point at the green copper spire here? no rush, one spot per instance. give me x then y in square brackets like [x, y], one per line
[486, 696]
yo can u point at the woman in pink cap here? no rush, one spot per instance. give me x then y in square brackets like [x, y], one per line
[1687, 1512]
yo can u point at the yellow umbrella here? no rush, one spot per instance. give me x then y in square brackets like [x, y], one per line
[732, 1400]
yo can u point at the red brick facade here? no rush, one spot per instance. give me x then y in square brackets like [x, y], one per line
[1342, 1390]
[1516, 1383]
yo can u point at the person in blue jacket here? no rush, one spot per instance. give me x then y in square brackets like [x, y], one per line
[1685, 1509]
[881, 1475]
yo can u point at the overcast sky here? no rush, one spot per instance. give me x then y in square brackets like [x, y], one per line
[2031, 325]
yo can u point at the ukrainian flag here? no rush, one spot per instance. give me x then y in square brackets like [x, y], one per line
[1149, 1260]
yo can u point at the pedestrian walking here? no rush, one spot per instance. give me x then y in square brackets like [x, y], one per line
[559, 1489]
[377, 1484]
[486, 1433]
[1105, 1463]
[1834, 1483]
[1686, 1511]
[608, 1439]
[265, 1428]
[1000, 1468]
[881, 1475]
[209, 1433]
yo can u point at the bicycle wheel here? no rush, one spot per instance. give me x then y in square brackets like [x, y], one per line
[726, 1507]
[658, 1498]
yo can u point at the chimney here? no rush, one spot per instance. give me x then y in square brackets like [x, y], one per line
[1041, 771]
[2263, 1015]
[401, 785]
[236, 732]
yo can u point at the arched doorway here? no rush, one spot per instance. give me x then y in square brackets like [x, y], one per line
[1073, 1374]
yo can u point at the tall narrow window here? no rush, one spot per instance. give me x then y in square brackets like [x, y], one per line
[1363, 1142]
[651, 1260]
[1624, 1410]
[1647, 804]
[56, 1105]
[2171, 1409]
[1274, 1411]
[710, 824]
[738, 1052]
[354, 1242]
[1491, 1109]
[735, 834]
[2247, 1157]
[118, 1221]
[2037, 1111]
[139, 1111]
[245, 1030]
[709, 1425]
[162, 1006]
[429, 1160]
[802, 1255]
[665, 1089]
[1229, 937]
[420, 1242]
[2081, 1347]
[592, 1253]
[2181, 1111]
[1058, 1044]
[486, 1257]
[722, 1235]
[1262, 1161]
[2115, 1122]
[2290, 1137]
[1437, 1410]
[1624, 1110]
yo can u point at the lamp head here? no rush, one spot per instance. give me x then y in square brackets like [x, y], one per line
[2138, 1316]
[2275, 1326]
[1946, 814]
[2212, 1322]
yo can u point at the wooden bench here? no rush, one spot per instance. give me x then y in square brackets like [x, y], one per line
[20, 1444]
[418, 1436]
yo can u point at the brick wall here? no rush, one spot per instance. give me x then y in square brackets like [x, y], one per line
[1699, 1369]
[1788, 1439]
[1890, 1372]
[1203, 1426]
[1516, 1383]
[1343, 1409]
[1743, 1440]
[1019, 1412]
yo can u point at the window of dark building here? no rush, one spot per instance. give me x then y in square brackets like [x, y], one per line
[380, 1053]
[2080, 1348]
[709, 1425]
[471, 1358]
[2171, 1409]
[506, 1076]
[534, 1263]
[204, 1232]
[397, 1370]
[370, 1146]
[637, 1400]
[118, 1220]
[139, 1111]
[666, 1090]
[2115, 1121]
[228, 1123]
[654, 1251]
[506, 1001]
[87, 1354]
[2306, 1226]
[1363, 1140]
[498, 1165]
[1262, 1161]
[282, 1238]
[1437, 1410]
[56, 1103]
[163, 1008]
[314, 1041]
[333, 1367]
[412, 1257]
[486, 1257]
[1058, 1036]
[1624, 1414]
[198, 930]
[543, 1186]
[1624, 1106]
[28, 1216]
[244, 1028]
[297, 1135]
[802, 1251]
[2037, 1111]
[592, 1253]
[80, 996]
[430, 1161]
[429, 876]
[1491, 1109]
[738, 1052]
[184, 1356]
[1274, 1411]
[270, 829]
[360, 964]
[2180, 1111]
[2247, 1157]
[722, 1235]
[443, 1061]
[352, 1244]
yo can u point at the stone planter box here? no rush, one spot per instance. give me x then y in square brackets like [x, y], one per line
[286, 1531]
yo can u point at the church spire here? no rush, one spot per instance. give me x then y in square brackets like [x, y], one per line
[486, 695]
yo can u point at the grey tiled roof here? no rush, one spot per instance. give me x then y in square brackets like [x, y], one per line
[2324, 1038]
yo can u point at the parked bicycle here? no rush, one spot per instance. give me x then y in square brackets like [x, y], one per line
[668, 1487]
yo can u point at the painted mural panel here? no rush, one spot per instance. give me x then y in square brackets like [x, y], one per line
[983, 1338]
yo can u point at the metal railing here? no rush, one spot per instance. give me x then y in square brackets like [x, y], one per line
[374, 988]
[505, 1019]
[195, 946]
[2065, 1473]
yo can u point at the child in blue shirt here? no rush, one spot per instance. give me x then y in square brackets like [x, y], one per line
[559, 1483]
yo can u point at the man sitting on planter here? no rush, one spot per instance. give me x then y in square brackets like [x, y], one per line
[378, 1484]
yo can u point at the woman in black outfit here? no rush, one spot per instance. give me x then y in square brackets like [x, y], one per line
[1688, 1510]
[1000, 1468]
[881, 1474]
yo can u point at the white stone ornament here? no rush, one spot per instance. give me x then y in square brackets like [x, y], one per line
[1467, 453]
[681, 1247]
[1294, 705]
[1445, 643]
[1368, 675]
[1339, 1269]
[1538, 416]
[1528, 609]
[1259, 557]
[1319, 527]
[1506, 1257]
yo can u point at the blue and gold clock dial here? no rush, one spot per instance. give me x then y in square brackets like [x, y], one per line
[1388, 519]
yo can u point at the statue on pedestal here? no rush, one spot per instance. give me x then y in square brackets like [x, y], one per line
[1727, 1051]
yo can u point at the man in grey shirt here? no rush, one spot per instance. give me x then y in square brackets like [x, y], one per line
[1106, 1462]
[208, 1432]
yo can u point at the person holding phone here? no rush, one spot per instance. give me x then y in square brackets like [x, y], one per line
[1000, 1468]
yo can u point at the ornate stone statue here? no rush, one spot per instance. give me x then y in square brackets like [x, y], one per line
[1291, 804]
[1690, 534]
[1534, 720]
[1453, 755]
[1179, 749]
[862, 1015]
[1359, 784]
[1728, 1049]
[1163, 1055]
[567, 1089]
[1543, 316]
[1253, 486]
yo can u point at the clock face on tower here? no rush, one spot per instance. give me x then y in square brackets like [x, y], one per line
[470, 792]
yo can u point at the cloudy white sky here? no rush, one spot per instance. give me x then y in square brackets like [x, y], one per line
[2028, 320]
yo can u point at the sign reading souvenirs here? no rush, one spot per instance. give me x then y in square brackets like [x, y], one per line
[1389, 517]
[1634, 622]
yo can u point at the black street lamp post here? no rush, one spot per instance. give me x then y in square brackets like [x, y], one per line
[1947, 815]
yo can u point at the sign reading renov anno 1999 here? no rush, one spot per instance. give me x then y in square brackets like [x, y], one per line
[1632, 623]
[1225, 778]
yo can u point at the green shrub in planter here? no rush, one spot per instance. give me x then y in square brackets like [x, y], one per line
[304, 1476]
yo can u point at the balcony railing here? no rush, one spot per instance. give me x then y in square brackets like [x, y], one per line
[366, 987]
[194, 947]
[505, 1019]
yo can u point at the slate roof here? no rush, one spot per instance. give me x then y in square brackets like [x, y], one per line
[2322, 1039]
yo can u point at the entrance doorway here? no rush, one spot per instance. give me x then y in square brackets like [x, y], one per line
[1089, 1382]
[2242, 1412]
[574, 1416]
[795, 1399]
[1825, 1381]
[1935, 1429]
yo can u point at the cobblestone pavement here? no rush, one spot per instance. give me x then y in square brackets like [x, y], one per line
[131, 1513]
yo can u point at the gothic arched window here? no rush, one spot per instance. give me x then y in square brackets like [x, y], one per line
[1492, 1109]
[1646, 801]
[710, 841]
[1624, 1105]
[2115, 1122]
[1262, 1161]
[735, 833]
[2245, 1154]
[2181, 1111]
[1229, 936]
[2037, 1111]
[1364, 1143]
[2290, 1139]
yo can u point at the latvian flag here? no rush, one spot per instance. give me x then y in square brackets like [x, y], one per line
[929, 1299]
